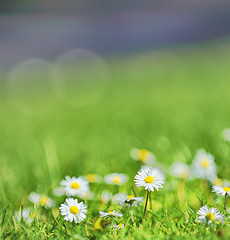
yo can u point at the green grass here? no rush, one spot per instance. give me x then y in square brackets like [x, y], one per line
[170, 103]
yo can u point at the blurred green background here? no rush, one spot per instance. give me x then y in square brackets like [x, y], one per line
[82, 82]
[170, 102]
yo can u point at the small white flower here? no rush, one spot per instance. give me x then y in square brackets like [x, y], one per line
[209, 216]
[143, 156]
[204, 166]
[26, 215]
[221, 190]
[117, 227]
[180, 170]
[59, 191]
[150, 180]
[105, 197]
[122, 199]
[110, 214]
[226, 134]
[73, 210]
[93, 178]
[75, 186]
[116, 178]
[41, 200]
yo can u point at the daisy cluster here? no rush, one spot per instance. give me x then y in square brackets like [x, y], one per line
[112, 205]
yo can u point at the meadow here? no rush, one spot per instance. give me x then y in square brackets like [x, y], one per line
[171, 103]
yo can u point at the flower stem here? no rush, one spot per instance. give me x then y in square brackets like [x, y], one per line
[225, 203]
[147, 197]
[131, 211]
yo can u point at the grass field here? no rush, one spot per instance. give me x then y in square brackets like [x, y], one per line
[171, 103]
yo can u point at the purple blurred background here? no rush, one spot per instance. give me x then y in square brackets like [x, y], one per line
[48, 28]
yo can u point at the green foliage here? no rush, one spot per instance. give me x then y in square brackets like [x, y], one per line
[171, 104]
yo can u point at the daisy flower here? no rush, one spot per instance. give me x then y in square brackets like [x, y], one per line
[75, 186]
[209, 216]
[105, 197]
[93, 178]
[204, 166]
[73, 210]
[221, 190]
[116, 178]
[110, 214]
[150, 179]
[122, 199]
[117, 227]
[226, 134]
[143, 156]
[26, 215]
[180, 170]
[41, 200]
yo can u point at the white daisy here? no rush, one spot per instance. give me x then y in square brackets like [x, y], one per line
[73, 210]
[180, 170]
[93, 178]
[105, 197]
[75, 186]
[117, 227]
[122, 199]
[116, 178]
[150, 180]
[204, 166]
[41, 200]
[226, 134]
[143, 156]
[110, 214]
[221, 190]
[26, 215]
[209, 216]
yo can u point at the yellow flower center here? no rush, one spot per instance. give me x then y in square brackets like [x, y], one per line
[91, 178]
[149, 179]
[43, 200]
[130, 196]
[209, 216]
[74, 210]
[116, 180]
[75, 185]
[205, 163]
[218, 182]
[120, 225]
[143, 155]
[110, 212]
[226, 189]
